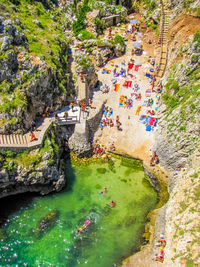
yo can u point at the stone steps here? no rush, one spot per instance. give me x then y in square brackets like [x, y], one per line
[13, 139]
[166, 16]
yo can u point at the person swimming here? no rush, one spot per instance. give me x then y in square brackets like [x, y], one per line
[112, 203]
[83, 227]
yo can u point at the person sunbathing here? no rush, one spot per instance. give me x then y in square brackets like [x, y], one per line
[124, 75]
[107, 122]
[151, 112]
[130, 103]
[112, 203]
[138, 110]
[138, 97]
[112, 147]
[150, 102]
[125, 84]
[111, 123]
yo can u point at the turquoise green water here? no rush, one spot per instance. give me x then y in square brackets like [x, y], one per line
[114, 233]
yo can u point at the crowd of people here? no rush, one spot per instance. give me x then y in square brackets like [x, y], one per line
[161, 243]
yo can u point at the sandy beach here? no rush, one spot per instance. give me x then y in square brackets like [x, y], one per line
[133, 139]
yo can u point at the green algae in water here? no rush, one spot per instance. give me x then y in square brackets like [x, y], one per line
[101, 170]
[114, 233]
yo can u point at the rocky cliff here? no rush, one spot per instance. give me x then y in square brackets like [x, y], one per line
[34, 70]
[177, 139]
[40, 170]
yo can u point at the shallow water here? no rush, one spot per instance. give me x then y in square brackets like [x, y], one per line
[114, 233]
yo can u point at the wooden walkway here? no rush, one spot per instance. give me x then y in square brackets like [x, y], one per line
[22, 142]
[166, 14]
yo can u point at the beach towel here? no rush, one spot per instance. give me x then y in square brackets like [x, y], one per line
[148, 128]
[151, 121]
[129, 83]
[136, 68]
[142, 119]
[116, 87]
[130, 66]
[148, 93]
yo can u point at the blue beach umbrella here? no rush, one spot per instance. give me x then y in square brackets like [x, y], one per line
[133, 21]
[137, 45]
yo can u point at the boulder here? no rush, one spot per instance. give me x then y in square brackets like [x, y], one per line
[119, 50]
[7, 41]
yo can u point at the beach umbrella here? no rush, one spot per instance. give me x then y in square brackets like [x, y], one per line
[133, 21]
[137, 45]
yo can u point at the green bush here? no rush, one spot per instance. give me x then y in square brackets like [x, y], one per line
[119, 40]
[100, 25]
[85, 62]
[197, 36]
[85, 35]
[80, 24]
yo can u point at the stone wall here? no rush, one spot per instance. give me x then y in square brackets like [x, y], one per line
[112, 20]
[79, 142]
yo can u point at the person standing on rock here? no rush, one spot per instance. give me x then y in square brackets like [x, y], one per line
[66, 115]
[72, 106]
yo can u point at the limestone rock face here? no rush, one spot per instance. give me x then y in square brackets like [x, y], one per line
[28, 78]
[79, 141]
[107, 50]
[44, 175]
[103, 54]
[119, 50]
[43, 180]
[177, 145]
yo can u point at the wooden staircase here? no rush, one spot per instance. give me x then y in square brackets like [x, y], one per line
[166, 15]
